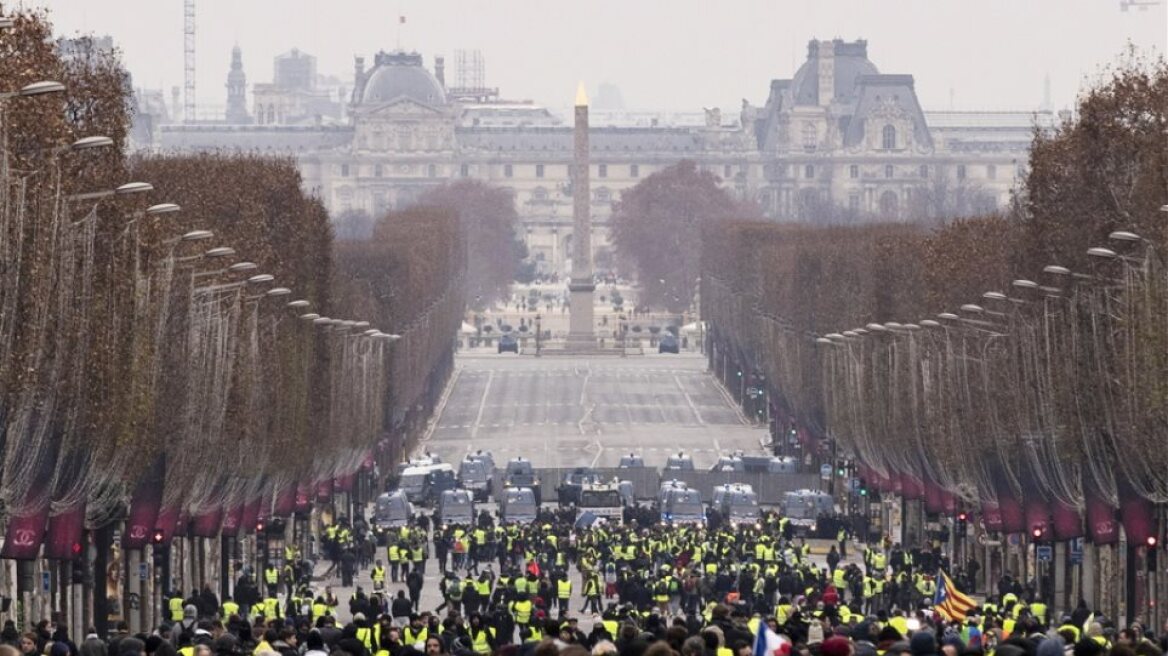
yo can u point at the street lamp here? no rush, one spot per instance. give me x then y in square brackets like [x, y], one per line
[220, 251]
[34, 89]
[242, 266]
[299, 303]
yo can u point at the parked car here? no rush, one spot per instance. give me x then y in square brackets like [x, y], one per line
[508, 343]
[668, 344]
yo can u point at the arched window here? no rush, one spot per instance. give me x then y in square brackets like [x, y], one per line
[889, 204]
[889, 137]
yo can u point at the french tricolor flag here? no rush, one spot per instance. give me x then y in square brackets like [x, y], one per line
[769, 643]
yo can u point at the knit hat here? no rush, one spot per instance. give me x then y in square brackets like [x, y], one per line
[835, 646]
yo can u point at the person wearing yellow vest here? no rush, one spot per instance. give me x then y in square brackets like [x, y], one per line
[378, 575]
[416, 632]
[563, 593]
[521, 610]
[482, 638]
[229, 607]
[272, 579]
[319, 609]
[393, 555]
[271, 608]
[175, 604]
[591, 594]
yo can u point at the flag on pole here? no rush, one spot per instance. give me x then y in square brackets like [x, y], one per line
[950, 602]
[769, 643]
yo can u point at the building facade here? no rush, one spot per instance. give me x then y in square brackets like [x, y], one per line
[839, 141]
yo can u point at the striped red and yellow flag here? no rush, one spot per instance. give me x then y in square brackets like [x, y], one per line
[949, 602]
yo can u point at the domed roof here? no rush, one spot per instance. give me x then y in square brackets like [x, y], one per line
[851, 61]
[401, 75]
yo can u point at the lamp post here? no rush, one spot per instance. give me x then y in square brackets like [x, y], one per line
[538, 331]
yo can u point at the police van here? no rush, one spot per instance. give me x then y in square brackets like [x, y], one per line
[392, 510]
[517, 506]
[414, 479]
[455, 508]
[679, 462]
[476, 473]
[804, 507]
[681, 505]
[602, 500]
[737, 503]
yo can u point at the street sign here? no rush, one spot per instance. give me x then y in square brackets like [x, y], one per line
[1077, 551]
[825, 472]
[1045, 552]
[143, 571]
[46, 585]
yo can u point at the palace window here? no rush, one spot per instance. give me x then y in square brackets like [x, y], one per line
[888, 170]
[960, 171]
[464, 170]
[810, 136]
[432, 171]
[809, 171]
[344, 170]
[889, 137]
[602, 170]
[924, 170]
[853, 171]
[991, 171]
[377, 170]
[634, 171]
[507, 171]
[539, 170]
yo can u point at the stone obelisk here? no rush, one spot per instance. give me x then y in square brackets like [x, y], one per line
[581, 331]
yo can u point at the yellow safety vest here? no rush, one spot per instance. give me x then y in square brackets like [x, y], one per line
[564, 589]
[230, 608]
[378, 574]
[393, 553]
[522, 611]
[186, 651]
[271, 608]
[410, 638]
[319, 610]
[176, 608]
[272, 575]
[480, 640]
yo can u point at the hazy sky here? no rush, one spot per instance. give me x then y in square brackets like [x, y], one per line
[662, 54]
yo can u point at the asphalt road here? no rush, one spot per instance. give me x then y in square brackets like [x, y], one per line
[569, 412]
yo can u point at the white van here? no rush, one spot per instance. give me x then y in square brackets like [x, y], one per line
[413, 479]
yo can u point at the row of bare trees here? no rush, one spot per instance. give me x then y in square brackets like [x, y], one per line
[192, 330]
[1002, 357]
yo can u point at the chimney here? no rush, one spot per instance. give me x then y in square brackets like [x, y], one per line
[440, 70]
[826, 72]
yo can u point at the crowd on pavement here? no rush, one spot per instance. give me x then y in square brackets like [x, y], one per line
[629, 588]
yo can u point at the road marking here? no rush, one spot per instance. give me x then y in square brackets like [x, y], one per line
[689, 400]
[433, 425]
[474, 429]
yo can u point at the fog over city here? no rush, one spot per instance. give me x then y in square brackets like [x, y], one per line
[661, 54]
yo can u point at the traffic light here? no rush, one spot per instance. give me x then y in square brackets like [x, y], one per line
[158, 536]
[1038, 533]
[863, 491]
[962, 517]
[78, 567]
[1153, 559]
[260, 526]
[1150, 542]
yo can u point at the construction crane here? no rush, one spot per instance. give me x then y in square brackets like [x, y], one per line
[188, 61]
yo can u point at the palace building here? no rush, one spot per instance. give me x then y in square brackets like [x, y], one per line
[839, 141]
